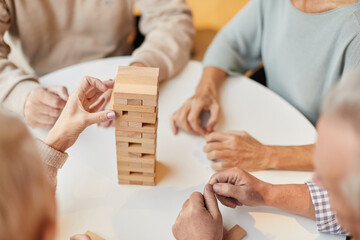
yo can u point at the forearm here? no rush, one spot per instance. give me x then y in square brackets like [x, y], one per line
[211, 81]
[290, 157]
[293, 198]
[163, 47]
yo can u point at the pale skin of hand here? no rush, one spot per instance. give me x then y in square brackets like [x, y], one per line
[200, 218]
[107, 96]
[235, 187]
[245, 151]
[240, 149]
[43, 106]
[187, 118]
[82, 110]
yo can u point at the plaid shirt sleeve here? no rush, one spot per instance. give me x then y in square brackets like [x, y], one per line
[325, 218]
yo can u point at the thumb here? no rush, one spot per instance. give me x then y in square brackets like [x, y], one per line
[225, 189]
[214, 115]
[61, 91]
[99, 117]
[211, 201]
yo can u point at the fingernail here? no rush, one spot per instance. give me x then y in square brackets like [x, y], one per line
[216, 188]
[110, 115]
[208, 188]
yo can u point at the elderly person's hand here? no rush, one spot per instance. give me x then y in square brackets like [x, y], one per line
[200, 218]
[238, 149]
[81, 111]
[43, 106]
[187, 118]
[235, 187]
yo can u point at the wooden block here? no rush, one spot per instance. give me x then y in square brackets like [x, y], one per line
[136, 182]
[136, 89]
[120, 101]
[135, 96]
[135, 140]
[147, 145]
[133, 108]
[127, 154]
[141, 119]
[135, 148]
[123, 181]
[135, 124]
[149, 183]
[122, 144]
[145, 165]
[138, 80]
[142, 160]
[133, 169]
[235, 233]
[134, 165]
[144, 129]
[93, 236]
[135, 114]
[133, 102]
[121, 124]
[149, 115]
[149, 103]
[149, 135]
[123, 172]
[148, 174]
[131, 135]
[136, 177]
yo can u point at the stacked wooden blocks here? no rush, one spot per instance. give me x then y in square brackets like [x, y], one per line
[135, 100]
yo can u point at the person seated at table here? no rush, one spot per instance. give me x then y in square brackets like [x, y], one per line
[305, 47]
[335, 187]
[52, 35]
[27, 199]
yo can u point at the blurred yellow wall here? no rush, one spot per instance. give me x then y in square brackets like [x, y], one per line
[214, 14]
[209, 17]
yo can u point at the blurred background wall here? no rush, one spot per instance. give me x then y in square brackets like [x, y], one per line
[209, 17]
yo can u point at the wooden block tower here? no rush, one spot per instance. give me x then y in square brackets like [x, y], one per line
[135, 100]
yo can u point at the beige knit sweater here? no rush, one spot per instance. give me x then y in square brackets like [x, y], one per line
[52, 159]
[53, 34]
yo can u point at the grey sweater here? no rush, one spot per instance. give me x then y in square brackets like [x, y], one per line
[304, 54]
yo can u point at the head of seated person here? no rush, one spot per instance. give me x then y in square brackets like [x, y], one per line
[27, 200]
[337, 155]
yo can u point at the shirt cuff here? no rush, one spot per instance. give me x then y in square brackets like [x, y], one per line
[50, 156]
[15, 101]
[325, 218]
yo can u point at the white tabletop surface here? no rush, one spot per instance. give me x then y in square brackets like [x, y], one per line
[89, 197]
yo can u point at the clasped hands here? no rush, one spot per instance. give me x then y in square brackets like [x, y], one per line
[200, 217]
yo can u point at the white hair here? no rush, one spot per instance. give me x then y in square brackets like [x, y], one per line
[343, 102]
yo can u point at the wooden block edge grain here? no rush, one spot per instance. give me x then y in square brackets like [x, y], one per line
[235, 233]
[93, 236]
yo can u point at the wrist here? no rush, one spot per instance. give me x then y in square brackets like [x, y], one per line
[271, 157]
[268, 194]
[57, 140]
[211, 80]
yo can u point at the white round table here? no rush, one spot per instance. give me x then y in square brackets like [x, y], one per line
[89, 197]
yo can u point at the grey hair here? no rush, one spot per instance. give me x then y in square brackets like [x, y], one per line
[343, 102]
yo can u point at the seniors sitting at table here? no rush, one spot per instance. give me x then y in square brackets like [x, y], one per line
[53, 34]
[305, 47]
[27, 199]
[337, 170]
